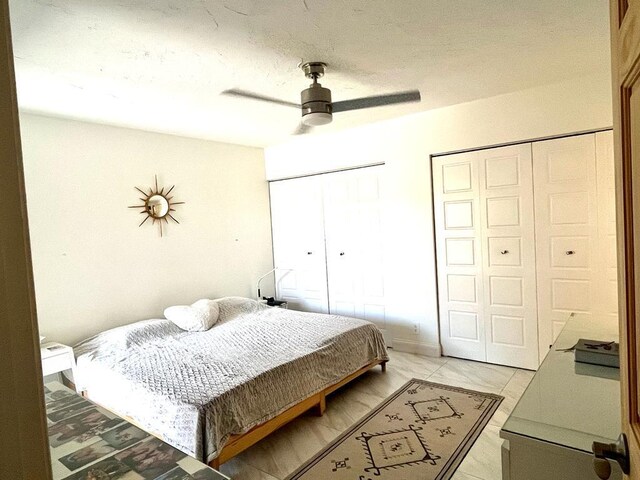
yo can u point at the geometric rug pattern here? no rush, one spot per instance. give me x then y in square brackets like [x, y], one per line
[421, 432]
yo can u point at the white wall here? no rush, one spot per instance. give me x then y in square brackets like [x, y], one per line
[93, 267]
[406, 145]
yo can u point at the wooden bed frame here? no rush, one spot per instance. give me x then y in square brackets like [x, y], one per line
[238, 443]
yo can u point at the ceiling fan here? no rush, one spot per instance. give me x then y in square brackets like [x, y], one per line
[316, 105]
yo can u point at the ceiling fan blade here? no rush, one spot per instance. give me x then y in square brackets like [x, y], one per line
[377, 101]
[234, 92]
[302, 129]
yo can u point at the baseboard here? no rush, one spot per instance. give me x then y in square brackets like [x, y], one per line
[409, 346]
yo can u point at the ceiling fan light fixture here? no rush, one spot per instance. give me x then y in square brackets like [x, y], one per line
[315, 119]
[316, 105]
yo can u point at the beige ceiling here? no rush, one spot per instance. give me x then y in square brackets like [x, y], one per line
[160, 64]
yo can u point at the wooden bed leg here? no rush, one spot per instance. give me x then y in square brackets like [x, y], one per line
[383, 365]
[322, 405]
[215, 463]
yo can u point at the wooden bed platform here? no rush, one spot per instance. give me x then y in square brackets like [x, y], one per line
[238, 443]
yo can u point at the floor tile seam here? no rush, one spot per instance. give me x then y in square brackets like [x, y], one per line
[437, 369]
[506, 384]
[260, 469]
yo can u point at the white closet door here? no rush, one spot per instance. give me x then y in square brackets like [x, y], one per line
[340, 206]
[355, 262]
[508, 246]
[606, 247]
[458, 246]
[298, 243]
[566, 231]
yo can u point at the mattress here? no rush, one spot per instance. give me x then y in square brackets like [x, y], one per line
[196, 389]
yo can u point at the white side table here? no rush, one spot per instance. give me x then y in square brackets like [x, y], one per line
[56, 358]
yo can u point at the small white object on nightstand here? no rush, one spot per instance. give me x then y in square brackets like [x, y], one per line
[56, 358]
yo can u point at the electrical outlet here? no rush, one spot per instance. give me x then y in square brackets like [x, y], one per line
[416, 328]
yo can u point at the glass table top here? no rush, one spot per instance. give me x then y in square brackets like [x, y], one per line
[568, 403]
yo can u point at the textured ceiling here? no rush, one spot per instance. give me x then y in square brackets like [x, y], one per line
[160, 64]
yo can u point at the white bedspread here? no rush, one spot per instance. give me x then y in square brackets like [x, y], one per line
[195, 389]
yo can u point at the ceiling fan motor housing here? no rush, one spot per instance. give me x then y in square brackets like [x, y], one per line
[316, 105]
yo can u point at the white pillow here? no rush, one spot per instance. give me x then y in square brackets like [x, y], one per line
[198, 317]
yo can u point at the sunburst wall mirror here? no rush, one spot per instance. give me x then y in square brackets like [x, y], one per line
[157, 205]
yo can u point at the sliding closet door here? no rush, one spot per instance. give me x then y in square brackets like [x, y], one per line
[297, 221]
[508, 258]
[353, 230]
[566, 231]
[458, 245]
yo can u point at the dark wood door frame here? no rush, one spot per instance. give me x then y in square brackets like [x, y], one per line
[24, 449]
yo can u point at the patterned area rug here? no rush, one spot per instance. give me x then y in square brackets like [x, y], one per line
[421, 432]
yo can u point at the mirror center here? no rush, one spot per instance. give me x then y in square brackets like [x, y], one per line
[157, 206]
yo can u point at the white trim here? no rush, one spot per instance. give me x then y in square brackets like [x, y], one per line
[410, 346]
[520, 142]
[325, 172]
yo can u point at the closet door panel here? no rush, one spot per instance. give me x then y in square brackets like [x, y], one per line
[298, 243]
[508, 245]
[566, 231]
[355, 261]
[342, 257]
[458, 250]
[606, 241]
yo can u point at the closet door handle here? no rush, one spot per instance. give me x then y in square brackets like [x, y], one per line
[504, 252]
[570, 252]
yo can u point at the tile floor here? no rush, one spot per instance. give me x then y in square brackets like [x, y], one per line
[280, 454]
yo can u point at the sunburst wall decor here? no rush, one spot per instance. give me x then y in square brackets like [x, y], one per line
[157, 205]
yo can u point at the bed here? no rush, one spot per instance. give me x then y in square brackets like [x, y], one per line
[213, 394]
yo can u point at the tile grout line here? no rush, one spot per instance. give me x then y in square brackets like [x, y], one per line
[505, 385]
[436, 370]
[478, 385]
[471, 476]
[271, 475]
[252, 465]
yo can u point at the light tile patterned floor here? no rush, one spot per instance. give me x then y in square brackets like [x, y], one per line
[280, 454]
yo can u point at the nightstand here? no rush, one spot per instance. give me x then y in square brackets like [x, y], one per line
[56, 358]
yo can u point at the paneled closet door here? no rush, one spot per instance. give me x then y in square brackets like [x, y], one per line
[508, 246]
[353, 230]
[606, 246]
[564, 173]
[299, 244]
[458, 245]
